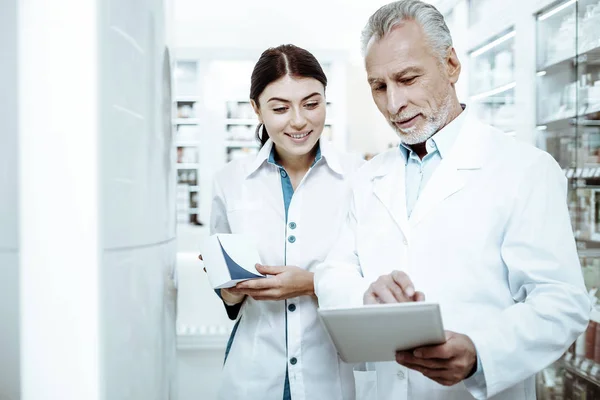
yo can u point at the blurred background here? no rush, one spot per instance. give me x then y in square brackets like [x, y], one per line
[116, 114]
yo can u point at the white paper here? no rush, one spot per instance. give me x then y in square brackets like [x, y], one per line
[229, 259]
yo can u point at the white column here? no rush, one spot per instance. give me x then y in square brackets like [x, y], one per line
[59, 223]
[9, 245]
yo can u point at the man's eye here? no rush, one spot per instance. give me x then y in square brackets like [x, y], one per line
[379, 88]
[409, 80]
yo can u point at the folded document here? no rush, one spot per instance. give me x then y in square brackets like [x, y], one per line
[229, 259]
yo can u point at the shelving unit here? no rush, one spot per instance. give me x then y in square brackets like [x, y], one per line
[568, 79]
[492, 82]
[187, 145]
[568, 126]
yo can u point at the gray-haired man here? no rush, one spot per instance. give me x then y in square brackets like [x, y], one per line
[474, 220]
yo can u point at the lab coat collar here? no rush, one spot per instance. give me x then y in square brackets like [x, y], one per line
[328, 153]
[389, 178]
[466, 154]
[261, 158]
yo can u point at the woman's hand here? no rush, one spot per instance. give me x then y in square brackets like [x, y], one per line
[226, 295]
[285, 282]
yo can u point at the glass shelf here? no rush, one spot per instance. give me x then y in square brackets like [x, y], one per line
[568, 112]
[492, 82]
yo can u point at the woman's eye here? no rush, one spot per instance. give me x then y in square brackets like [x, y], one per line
[312, 105]
[279, 109]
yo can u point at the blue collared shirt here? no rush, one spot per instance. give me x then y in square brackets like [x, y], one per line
[419, 171]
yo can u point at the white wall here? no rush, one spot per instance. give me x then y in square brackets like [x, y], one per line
[97, 200]
[9, 245]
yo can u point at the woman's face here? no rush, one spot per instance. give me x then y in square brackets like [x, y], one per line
[293, 112]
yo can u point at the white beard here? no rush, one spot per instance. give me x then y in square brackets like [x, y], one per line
[414, 135]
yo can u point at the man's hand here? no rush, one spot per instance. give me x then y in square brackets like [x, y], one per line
[285, 282]
[393, 288]
[447, 364]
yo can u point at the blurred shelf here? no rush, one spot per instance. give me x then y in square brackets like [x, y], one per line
[187, 143]
[581, 374]
[241, 121]
[193, 211]
[569, 118]
[494, 43]
[241, 144]
[586, 173]
[590, 56]
[188, 166]
[584, 251]
[194, 188]
[560, 64]
[240, 100]
[187, 99]
[587, 244]
[187, 121]
[498, 90]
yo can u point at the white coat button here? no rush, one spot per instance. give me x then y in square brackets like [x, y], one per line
[400, 375]
[405, 242]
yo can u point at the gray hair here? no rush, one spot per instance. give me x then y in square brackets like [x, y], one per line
[426, 15]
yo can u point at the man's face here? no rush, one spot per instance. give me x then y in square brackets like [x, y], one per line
[411, 87]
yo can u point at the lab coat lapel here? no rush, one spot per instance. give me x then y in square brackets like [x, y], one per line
[389, 187]
[449, 177]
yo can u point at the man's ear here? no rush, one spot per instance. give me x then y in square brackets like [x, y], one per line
[453, 66]
[256, 110]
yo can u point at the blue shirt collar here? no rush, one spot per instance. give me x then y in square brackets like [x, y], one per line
[271, 159]
[325, 152]
[442, 141]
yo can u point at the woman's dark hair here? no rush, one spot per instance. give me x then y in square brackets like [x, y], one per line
[276, 62]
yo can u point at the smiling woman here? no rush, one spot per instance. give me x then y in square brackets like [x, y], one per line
[293, 198]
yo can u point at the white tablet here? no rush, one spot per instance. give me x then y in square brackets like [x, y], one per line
[375, 332]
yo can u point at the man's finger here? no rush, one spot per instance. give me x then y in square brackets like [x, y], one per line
[441, 351]
[419, 296]
[398, 293]
[405, 283]
[409, 361]
[384, 295]
[369, 298]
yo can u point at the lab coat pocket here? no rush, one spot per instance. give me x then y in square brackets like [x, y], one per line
[366, 385]
[243, 218]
